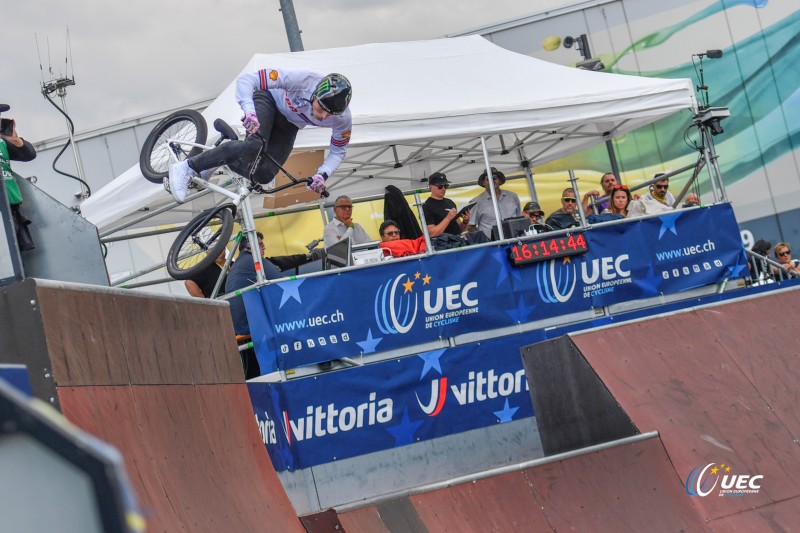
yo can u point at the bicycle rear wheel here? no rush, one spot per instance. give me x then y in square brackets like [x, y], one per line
[200, 242]
[186, 125]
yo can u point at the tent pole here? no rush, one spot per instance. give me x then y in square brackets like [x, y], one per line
[612, 158]
[491, 189]
[525, 164]
[574, 182]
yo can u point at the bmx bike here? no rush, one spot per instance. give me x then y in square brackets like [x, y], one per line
[177, 137]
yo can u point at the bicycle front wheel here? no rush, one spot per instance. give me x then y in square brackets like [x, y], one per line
[166, 143]
[200, 243]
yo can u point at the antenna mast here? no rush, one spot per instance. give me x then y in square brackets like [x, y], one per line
[58, 85]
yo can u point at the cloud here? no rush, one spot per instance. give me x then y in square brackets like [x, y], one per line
[134, 58]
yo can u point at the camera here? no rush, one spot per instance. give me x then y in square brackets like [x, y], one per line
[7, 126]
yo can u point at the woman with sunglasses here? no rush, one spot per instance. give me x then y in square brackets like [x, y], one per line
[783, 255]
[620, 199]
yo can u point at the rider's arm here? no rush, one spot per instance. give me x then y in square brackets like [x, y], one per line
[246, 85]
[340, 138]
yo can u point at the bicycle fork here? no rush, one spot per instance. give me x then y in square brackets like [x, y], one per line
[244, 215]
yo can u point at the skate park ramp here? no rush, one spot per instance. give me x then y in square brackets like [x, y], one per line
[717, 384]
[160, 379]
[720, 384]
[626, 487]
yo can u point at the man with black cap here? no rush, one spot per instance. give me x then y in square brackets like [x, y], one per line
[483, 217]
[440, 212]
[14, 148]
[533, 212]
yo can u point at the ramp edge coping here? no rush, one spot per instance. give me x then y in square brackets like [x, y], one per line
[496, 471]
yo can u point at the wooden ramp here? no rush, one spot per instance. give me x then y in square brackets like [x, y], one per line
[720, 384]
[160, 379]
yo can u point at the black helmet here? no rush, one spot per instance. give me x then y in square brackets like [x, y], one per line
[333, 93]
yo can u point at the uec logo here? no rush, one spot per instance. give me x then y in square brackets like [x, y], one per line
[702, 480]
[556, 280]
[395, 313]
[396, 302]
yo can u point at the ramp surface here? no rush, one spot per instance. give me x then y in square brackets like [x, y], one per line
[721, 385]
[631, 487]
[160, 379]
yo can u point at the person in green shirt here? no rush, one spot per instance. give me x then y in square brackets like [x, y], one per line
[15, 148]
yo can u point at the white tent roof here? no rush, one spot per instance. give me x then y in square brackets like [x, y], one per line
[422, 106]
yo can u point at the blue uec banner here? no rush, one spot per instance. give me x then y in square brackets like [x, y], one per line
[345, 414]
[394, 305]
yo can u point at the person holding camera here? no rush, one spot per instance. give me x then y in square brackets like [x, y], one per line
[14, 148]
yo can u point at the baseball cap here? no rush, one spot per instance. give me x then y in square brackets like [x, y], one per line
[4, 107]
[533, 208]
[438, 178]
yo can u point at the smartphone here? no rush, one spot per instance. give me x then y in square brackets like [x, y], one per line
[7, 126]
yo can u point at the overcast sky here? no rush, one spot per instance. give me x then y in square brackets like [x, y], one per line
[134, 58]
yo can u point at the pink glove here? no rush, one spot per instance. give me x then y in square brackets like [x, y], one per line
[317, 184]
[251, 124]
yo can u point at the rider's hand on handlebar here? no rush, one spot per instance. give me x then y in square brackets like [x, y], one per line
[251, 124]
[317, 184]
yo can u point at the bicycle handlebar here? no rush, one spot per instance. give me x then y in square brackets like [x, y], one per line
[293, 181]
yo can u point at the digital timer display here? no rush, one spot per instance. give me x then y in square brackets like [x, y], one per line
[546, 249]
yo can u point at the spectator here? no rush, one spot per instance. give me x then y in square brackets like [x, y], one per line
[15, 148]
[389, 231]
[567, 216]
[202, 285]
[440, 212]
[759, 269]
[243, 274]
[691, 200]
[533, 212]
[343, 225]
[482, 215]
[659, 191]
[657, 201]
[398, 246]
[789, 267]
[607, 182]
[620, 199]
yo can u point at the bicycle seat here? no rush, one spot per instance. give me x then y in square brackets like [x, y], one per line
[225, 130]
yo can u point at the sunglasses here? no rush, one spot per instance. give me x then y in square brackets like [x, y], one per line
[787, 252]
[346, 206]
[440, 187]
[661, 186]
[392, 232]
[568, 199]
[619, 187]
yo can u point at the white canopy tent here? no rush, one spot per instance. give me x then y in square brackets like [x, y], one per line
[423, 106]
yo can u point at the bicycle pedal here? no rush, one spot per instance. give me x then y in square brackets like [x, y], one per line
[166, 185]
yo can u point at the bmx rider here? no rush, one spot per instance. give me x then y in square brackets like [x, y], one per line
[276, 104]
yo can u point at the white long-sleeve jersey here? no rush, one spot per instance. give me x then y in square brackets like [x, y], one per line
[293, 91]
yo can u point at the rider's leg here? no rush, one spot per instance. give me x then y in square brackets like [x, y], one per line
[282, 134]
[239, 155]
[236, 154]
